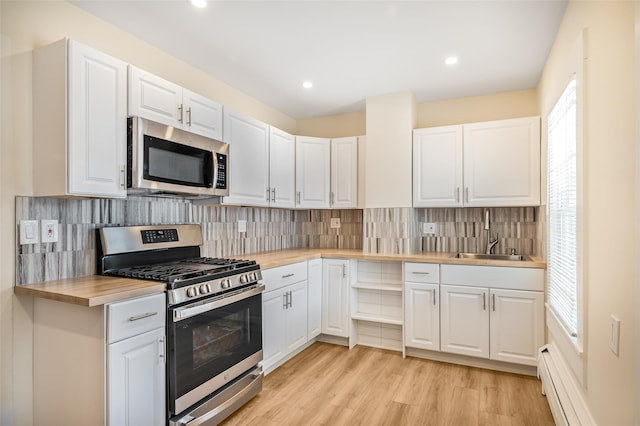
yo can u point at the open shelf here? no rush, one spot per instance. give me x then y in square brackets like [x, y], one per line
[391, 286]
[379, 318]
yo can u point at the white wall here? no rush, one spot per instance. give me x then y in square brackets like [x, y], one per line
[610, 175]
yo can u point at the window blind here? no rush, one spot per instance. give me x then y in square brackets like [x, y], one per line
[562, 189]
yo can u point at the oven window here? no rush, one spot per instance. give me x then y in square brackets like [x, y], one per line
[220, 338]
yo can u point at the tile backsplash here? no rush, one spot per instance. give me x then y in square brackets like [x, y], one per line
[75, 252]
[379, 230]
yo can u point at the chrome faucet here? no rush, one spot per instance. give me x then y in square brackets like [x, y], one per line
[487, 227]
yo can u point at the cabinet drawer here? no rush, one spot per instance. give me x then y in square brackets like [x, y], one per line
[135, 316]
[421, 272]
[281, 276]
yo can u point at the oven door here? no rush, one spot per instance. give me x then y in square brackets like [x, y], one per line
[212, 342]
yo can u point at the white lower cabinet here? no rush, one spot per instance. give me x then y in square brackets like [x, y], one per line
[516, 325]
[284, 312]
[136, 361]
[335, 297]
[421, 306]
[136, 380]
[314, 298]
[492, 312]
[464, 320]
[100, 365]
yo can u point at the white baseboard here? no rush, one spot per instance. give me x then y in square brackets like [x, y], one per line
[568, 405]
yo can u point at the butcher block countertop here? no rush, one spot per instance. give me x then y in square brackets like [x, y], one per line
[96, 290]
[92, 290]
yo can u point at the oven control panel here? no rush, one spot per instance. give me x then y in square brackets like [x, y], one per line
[150, 236]
[212, 287]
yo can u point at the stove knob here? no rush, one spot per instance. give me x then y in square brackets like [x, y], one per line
[205, 288]
[253, 276]
[225, 284]
[243, 279]
[192, 292]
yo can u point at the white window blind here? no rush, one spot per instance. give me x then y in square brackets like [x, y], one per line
[562, 259]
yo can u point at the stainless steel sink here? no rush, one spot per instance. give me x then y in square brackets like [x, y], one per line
[514, 257]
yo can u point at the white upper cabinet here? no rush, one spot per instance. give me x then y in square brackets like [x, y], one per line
[79, 121]
[488, 164]
[502, 163]
[282, 164]
[344, 173]
[202, 115]
[437, 167]
[248, 141]
[160, 100]
[313, 158]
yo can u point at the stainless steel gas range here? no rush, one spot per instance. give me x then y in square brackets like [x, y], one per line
[214, 317]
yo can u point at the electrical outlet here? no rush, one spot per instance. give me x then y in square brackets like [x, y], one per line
[242, 226]
[49, 230]
[29, 232]
[428, 228]
[335, 222]
[614, 338]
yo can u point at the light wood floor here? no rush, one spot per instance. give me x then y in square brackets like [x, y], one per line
[332, 385]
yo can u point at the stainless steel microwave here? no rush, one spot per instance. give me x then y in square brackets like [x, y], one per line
[162, 159]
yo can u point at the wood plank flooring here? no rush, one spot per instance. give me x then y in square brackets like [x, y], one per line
[332, 385]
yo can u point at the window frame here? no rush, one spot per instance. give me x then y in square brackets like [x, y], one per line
[572, 347]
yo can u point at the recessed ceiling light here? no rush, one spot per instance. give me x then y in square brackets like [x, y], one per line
[451, 60]
[307, 85]
[199, 3]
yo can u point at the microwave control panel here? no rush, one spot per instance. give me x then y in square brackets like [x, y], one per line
[221, 181]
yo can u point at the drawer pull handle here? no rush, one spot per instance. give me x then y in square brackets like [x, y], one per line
[142, 316]
[288, 275]
[422, 273]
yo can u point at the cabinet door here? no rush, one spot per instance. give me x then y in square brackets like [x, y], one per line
[97, 112]
[296, 313]
[422, 316]
[136, 380]
[335, 297]
[312, 172]
[154, 98]
[464, 320]
[344, 173]
[248, 141]
[282, 162]
[314, 297]
[273, 327]
[437, 167]
[517, 325]
[502, 162]
[202, 115]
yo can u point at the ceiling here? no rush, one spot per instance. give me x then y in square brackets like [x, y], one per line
[350, 50]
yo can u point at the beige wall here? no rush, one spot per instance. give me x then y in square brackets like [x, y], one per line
[499, 106]
[609, 204]
[335, 126]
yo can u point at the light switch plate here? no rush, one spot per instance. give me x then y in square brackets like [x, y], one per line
[49, 230]
[614, 338]
[335, 222]
[242, 226]
[29, 232]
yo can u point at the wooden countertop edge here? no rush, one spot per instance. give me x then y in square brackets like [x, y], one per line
[96, 290]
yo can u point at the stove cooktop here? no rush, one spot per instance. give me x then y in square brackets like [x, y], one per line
[181, 272]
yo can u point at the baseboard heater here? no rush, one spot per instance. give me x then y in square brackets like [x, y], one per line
[568, 407]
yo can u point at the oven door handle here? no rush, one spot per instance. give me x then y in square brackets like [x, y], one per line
[246, 392]
[224, 300]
